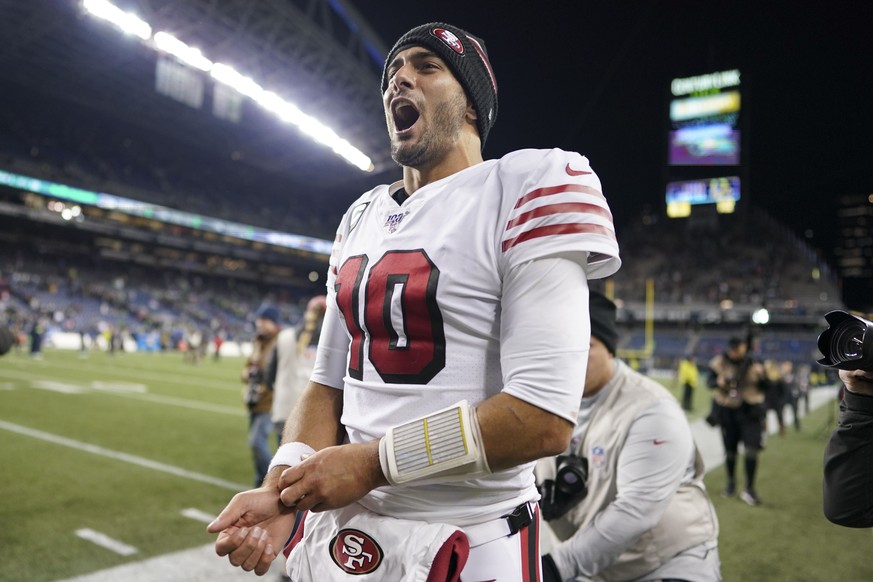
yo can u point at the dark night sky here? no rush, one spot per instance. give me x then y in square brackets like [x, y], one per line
[594, 77]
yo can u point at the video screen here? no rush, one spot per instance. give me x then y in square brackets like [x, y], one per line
[717, 144]
[723, 192]
[704, 129]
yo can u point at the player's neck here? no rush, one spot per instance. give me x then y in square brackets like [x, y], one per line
[468, 153]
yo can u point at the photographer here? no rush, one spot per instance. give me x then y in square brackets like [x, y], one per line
[257, 394]
[628, 500]
[848, 461]
[739, 407]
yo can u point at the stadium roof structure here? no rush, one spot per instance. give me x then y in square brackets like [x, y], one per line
[318, 54]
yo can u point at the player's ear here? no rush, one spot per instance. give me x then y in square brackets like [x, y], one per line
[470, 115]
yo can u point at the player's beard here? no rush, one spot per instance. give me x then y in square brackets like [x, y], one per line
[438, 138]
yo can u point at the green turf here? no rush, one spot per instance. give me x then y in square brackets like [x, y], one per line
[50, 490]
[192, 417]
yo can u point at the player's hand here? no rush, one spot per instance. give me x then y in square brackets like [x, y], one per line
[333, 477]
[253, 528]
[858, 381]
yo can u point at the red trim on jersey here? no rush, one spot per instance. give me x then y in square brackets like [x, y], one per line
[298, 535]
[550, 190]
[560, 208]
[557, 229]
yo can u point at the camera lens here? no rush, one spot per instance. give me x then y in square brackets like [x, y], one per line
[569, 481]
[846, 344]
[572, 476]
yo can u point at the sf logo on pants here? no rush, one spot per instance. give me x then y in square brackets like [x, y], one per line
[355, 552]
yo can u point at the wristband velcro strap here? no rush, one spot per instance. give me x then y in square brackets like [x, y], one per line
[443, 446]
[290, 454]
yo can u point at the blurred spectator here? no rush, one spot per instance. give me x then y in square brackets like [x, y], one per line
[257, 395]
[7, 339]
[217, 341]
[688, 377]
[792, 393]
[37, 334]
[801, 381]
[776, 394]
[292, 362]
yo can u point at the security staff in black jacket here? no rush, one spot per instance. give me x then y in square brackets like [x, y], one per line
[848, 461]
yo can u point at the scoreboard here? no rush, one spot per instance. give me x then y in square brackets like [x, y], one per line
[704, 143]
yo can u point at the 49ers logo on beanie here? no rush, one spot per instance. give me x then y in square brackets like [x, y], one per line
[449, 38]
[355, 552]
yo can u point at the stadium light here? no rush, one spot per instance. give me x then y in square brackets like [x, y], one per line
[237, 81]
[227, 75]
[126, 21]
[188, 55]
[761, 316]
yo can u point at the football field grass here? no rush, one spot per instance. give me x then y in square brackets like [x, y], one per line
[142, 448]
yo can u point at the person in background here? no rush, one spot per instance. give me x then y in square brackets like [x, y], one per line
[37, 335]
[792, 391]
[292, 362]
[777, 392]
[801, 381]
[627, 498]
[217, 342]
[739, 387]
[7, 339]
[688, 377]
[257, 395]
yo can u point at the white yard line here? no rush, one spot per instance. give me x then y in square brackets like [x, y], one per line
[130, 392]
[61, 387]
[140, 374]
[107, 542]
[197, 515]
[125, 457]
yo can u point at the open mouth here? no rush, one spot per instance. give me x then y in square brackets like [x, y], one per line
[405, 114]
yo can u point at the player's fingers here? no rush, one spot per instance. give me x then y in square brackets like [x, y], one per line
[266, 560]
[229, 540]
[228, 516]
[257, 543]
[292, 496]
[246, 548]
[290, 476]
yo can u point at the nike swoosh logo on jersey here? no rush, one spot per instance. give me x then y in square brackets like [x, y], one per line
[659, 442]
[573, 172]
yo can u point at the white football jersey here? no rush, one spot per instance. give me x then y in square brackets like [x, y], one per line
[417, 289]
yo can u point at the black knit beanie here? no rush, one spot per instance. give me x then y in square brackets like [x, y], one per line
[603, 326]
[466, 56]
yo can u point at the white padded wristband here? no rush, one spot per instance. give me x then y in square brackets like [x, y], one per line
[443, 446]
[290, 454]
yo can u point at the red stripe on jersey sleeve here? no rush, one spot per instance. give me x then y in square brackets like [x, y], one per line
[560, 208]
[551, 190]
[557, 229]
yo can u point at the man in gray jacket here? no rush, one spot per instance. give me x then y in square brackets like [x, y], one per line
[627, 499]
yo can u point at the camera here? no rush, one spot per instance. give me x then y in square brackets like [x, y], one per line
[568, 488]
[253, 389]
[847, 343]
